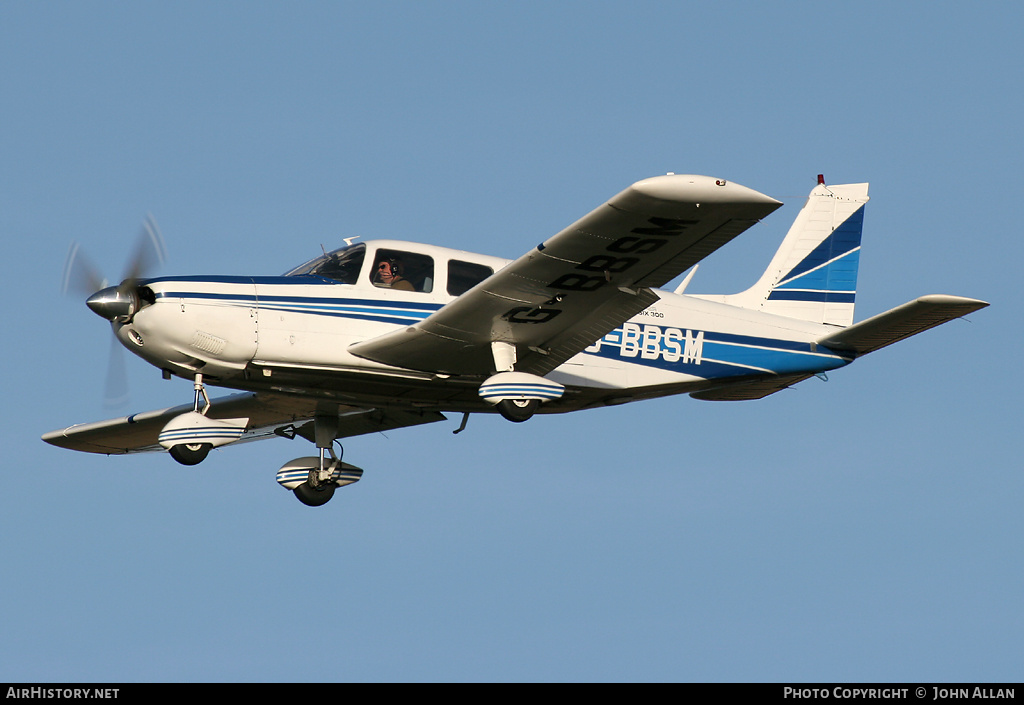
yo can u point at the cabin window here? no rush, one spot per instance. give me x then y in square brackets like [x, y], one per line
[403, 271]
[463, 276]
[341, 265]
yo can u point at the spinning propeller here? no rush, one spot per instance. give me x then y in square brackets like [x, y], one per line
[115, 303]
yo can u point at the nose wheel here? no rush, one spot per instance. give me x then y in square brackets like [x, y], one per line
[189, 437]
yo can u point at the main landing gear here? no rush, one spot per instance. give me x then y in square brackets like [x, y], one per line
[189, 437]
[516, 395]
[314, 479]
[517, 410]
[314, 495]
[190, 453]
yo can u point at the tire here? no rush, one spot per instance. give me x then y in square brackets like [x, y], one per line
[190, 453]
[517, 410]
[315, 497]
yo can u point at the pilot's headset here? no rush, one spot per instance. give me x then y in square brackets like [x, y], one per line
[396, 266]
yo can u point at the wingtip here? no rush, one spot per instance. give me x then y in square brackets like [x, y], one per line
[54, 438]
[699, 189]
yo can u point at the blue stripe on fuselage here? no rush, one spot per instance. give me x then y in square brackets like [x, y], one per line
[716, 354]
[262, 281]
[396, 312]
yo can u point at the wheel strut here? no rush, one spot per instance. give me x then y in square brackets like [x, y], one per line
[325, 431]
[200, 393]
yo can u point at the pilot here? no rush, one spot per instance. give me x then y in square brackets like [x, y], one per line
[389, 274]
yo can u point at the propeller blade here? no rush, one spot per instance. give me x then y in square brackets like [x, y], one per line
[150, 250]
[80, 275]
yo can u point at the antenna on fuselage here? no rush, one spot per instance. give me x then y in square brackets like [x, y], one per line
[349, 240]
[686, 280]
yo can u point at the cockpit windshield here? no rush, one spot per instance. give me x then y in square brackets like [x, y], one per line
[342, 265]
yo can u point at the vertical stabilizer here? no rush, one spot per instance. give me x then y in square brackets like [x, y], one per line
[813, 276]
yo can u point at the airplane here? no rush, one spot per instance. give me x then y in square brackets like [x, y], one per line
[387, 334]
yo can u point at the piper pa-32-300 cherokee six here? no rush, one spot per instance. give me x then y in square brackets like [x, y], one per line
[385, 334]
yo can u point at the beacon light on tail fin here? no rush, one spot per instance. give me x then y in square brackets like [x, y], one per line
[329, 350]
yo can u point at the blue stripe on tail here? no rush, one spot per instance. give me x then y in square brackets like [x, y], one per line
[828, 274]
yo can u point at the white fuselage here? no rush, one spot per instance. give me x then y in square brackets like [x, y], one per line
[292, 333]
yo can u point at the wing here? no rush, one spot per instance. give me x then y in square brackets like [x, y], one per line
[269, 415]
[559, 298]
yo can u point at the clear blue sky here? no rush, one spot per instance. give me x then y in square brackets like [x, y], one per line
[868, 528]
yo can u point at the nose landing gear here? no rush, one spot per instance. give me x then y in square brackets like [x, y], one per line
[190, 436]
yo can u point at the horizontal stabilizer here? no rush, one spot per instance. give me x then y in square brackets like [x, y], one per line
[901, 322]
[746, 391]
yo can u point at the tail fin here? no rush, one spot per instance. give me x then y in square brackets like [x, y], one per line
[813, 276]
